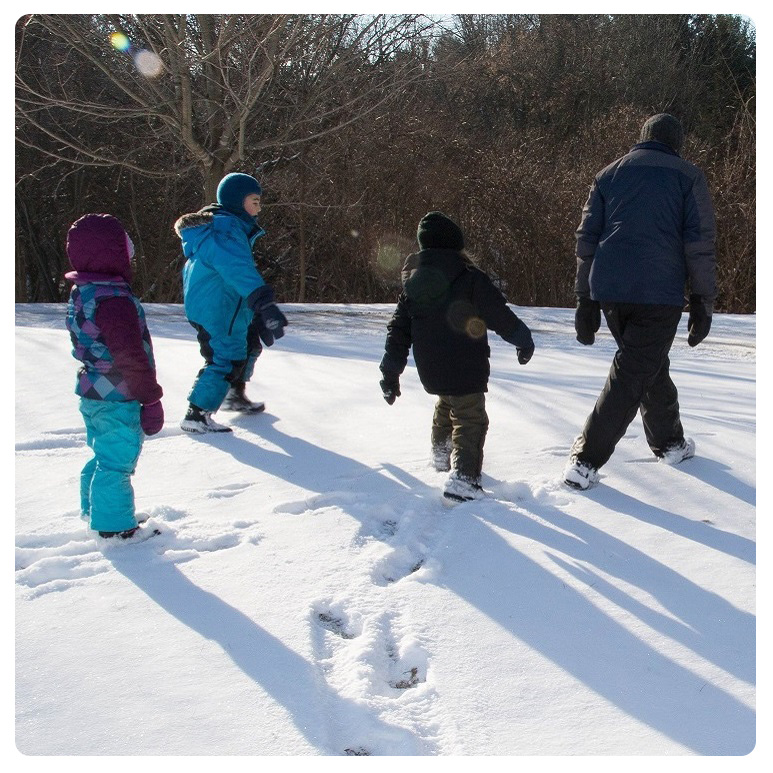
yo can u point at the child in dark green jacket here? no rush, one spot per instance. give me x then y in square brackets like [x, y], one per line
[444, 312]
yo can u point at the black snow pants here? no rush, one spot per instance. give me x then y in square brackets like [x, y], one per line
[638, 381]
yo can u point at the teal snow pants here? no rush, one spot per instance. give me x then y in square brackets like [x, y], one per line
[229, 359]
[114, 434]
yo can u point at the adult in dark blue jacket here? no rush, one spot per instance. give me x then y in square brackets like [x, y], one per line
[647, 232]
[226, 300]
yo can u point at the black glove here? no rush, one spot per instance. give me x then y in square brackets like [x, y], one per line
[390, 388]
[525, 353]
[587, 320]
[699, 321]
[270, 320]
[520, 338]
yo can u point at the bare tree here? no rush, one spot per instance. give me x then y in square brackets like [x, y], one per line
[224, 89]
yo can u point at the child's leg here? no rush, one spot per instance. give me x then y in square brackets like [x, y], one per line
[115, 436]
[470, 425]
[224, 360]
[441, 435]
[87, 475]
[254, 350]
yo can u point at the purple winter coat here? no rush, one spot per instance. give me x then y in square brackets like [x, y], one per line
[100, 251]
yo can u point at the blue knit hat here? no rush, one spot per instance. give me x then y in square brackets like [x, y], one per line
[233, 189]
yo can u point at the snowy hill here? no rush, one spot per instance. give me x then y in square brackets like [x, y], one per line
[310, 593]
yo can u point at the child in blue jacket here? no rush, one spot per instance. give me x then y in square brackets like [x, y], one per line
[226, 300]
[120, 396]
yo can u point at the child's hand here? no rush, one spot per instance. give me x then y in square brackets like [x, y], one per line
[525, 353]
[271, 320]
[152, 417]
[390, 389]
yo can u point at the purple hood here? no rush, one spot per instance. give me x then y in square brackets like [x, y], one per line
[98, 244]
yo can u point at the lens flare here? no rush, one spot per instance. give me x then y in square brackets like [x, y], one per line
[389, 258]
[389, 253]
[475, 327]
[148, 63]
[119, 41]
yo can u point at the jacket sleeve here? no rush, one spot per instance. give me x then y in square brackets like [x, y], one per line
[398, 341]
[410, 265]
[587, 238]
[119, 324]
[497, 315]
[233, 259]
[699, 240]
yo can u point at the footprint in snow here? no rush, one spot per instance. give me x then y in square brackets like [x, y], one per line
[330, 622]
[230, 490]
[54, 440]
[58, 561]
[399, 564]
[316, 503]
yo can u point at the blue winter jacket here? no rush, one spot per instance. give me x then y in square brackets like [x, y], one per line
[647, 229]
[219, 274]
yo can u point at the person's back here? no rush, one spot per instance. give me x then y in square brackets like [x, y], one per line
[120, 397]
[443, 313]
[647, 230]
[450, 344]
[647, 222]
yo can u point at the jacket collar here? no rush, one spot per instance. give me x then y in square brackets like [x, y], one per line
[655, 145]
[249, 224]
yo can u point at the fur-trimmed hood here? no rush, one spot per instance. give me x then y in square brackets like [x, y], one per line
[192, 220]
[194, 227]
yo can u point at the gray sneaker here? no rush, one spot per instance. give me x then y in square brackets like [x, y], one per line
[580, 475]
[678, 452]
[461, 489]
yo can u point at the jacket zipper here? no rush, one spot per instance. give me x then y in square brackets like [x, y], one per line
[233, 319]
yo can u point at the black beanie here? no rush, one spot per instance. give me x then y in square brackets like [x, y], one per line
[438, 230]
[664, 128]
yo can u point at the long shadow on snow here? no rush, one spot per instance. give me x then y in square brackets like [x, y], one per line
[697, 531]
[311, 467]
[288, 678]
[715, 474]
[705, 622]
[560, 623]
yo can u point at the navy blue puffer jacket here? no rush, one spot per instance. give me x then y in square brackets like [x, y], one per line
[647, 230]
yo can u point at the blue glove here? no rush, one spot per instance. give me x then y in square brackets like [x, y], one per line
[270, 320]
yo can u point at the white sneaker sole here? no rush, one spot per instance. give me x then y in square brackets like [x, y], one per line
[195, 428]
[681, 454]
[576, 479]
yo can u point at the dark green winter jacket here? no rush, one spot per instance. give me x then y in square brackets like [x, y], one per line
[444, 312]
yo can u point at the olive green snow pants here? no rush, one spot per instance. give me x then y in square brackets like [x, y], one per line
[459, 429]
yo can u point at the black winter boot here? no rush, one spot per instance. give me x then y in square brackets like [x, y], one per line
[237, 400]
[197, 421]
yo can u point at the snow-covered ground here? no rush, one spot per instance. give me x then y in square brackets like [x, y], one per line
[311, 594]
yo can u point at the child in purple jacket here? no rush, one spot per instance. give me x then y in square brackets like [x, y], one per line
[120, 396]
